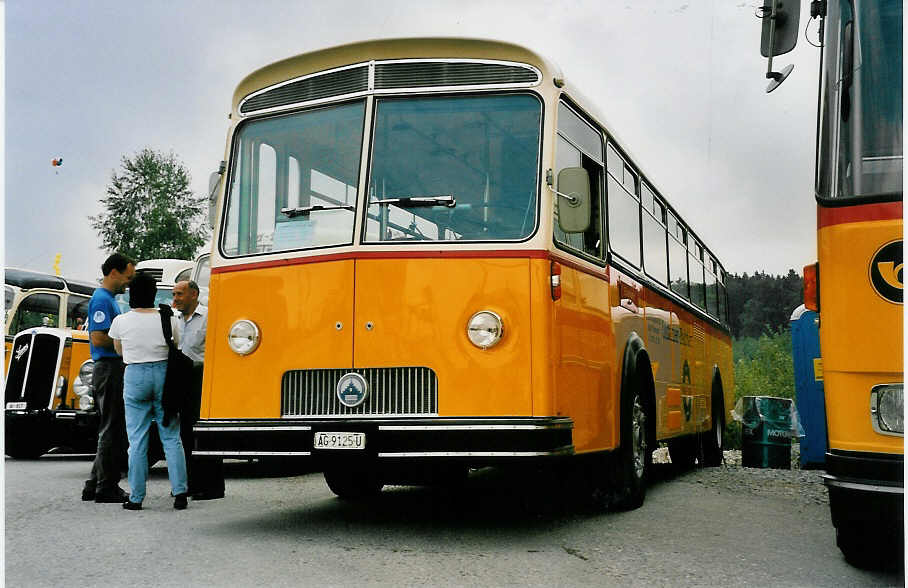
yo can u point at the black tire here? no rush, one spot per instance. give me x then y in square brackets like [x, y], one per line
[353, 483]
[633, 460]
[864, 547]
[683, 451]
[712, 442]
[26, 448]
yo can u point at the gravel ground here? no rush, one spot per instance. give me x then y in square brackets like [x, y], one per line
[805, 486]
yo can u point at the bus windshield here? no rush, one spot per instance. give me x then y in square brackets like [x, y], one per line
[860, 153]
[454, 168]
[294, 179]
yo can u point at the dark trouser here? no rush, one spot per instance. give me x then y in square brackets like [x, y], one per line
[108, 394]
[205, 474]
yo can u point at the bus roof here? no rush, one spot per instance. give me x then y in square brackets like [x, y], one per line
[28, 279]
[381, 49]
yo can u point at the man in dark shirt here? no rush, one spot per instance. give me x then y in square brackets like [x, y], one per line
[107, 379]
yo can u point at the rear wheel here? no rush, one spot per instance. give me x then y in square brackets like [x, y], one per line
[353, 483]
[711, 441]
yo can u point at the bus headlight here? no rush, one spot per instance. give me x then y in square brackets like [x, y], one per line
[886, 409]
[82, 385]
[243, 337]
[485, 329]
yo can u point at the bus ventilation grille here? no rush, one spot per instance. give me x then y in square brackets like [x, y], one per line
[156, 273]
[433, 73]
[315, 87]
[389, 76]
[392, 391]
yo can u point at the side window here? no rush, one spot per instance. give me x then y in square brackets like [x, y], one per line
[36, 310]
[203, 272]
[9, 295]
[723, 314]
[677, 257]
[623, 209]
[184, 275]
[580, 145]
[695, 268]
[712, 292]
[655, 252]
[77, 311]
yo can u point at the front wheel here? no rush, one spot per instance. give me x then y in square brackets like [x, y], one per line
[634, 457]
[26, 449]
[353, 483]
[866, 547]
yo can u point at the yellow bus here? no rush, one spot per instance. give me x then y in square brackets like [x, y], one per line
[47, 388]
[434, 253]
[857, 283]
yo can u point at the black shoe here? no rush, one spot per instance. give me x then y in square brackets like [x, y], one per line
[179, 501]
[88, 493]
[117, 495]
[130, 505]
[203, 495]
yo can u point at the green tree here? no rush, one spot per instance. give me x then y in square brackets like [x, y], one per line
[149, 210]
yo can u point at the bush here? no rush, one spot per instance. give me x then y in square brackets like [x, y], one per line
[763, 367]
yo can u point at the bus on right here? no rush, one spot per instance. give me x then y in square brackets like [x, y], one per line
[856, 284]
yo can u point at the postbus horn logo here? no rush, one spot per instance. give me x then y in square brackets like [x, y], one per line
[886, 272]
[352, 389]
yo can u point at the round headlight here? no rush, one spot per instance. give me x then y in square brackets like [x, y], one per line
[86, 371]
[485, 329]
[86, 402]
[243, 337]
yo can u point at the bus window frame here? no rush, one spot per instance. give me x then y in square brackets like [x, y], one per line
[602, 259]
[663, 222]
[363, 191]
[233, 169]
[14, 319]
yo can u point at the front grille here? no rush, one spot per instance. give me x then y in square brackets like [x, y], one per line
[34, 371]
[442, 73]
[335, 83]
[392, 391]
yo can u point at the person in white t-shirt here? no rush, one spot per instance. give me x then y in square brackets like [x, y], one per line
[139, 338]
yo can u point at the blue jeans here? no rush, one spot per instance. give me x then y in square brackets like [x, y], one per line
[143, 385]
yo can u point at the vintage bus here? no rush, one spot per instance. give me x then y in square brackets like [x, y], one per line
[857, 283]
[435, 253]
[47, 388]
[166, 273]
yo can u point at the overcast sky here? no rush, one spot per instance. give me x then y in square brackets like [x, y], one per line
[681, 81]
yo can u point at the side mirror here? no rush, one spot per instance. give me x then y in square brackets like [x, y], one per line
[214, 181]
[573, 194]
[780, 26]
[780, 35]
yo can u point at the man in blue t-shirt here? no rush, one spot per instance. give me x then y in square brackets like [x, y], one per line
[107, 380]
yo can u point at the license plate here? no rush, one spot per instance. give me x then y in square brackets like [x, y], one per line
[16, 405]
[340, 440]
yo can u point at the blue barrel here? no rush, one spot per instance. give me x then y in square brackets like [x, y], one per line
[808, 375]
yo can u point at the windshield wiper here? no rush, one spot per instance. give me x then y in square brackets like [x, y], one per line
[418, 201]
[305, 210]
